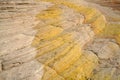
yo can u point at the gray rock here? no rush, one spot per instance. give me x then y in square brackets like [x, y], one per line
[29, 71]
[104, 48]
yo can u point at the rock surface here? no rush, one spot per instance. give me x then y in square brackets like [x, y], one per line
[104, 48]
[28, 71]
[59, 40]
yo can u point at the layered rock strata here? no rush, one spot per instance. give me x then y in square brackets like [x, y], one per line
[17, 56]
[58, 40]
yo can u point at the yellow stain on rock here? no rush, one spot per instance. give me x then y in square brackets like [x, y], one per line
[92, 16]
[70, 63]
[82, 68]
[68, 60]
[46, 34]
[112, 30]
[53, 44]
[50, 13]
[59, 54]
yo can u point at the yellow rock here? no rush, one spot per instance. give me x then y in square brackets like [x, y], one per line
[49, 73]
[67, 60]
[46, 34]
[56, 47]
[50, 13]
[53, 45]
[92, 16]
[82, 68]
[99, 24]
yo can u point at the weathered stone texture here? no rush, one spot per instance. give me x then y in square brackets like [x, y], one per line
[59, 40]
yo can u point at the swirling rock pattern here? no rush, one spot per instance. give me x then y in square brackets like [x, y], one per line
[59, 40]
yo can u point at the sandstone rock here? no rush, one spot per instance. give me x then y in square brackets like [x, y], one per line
[0, 65]
[108, 52]
[113, 3]
[29, 71]
[104, 48]
[17, 19]
[58, 40]
[76, 70]
[105, 74]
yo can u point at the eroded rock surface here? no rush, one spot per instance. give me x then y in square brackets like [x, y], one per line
[59, 40]
[104, 48]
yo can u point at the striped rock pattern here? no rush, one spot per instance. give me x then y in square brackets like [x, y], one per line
[58, 40]
[17, 56]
